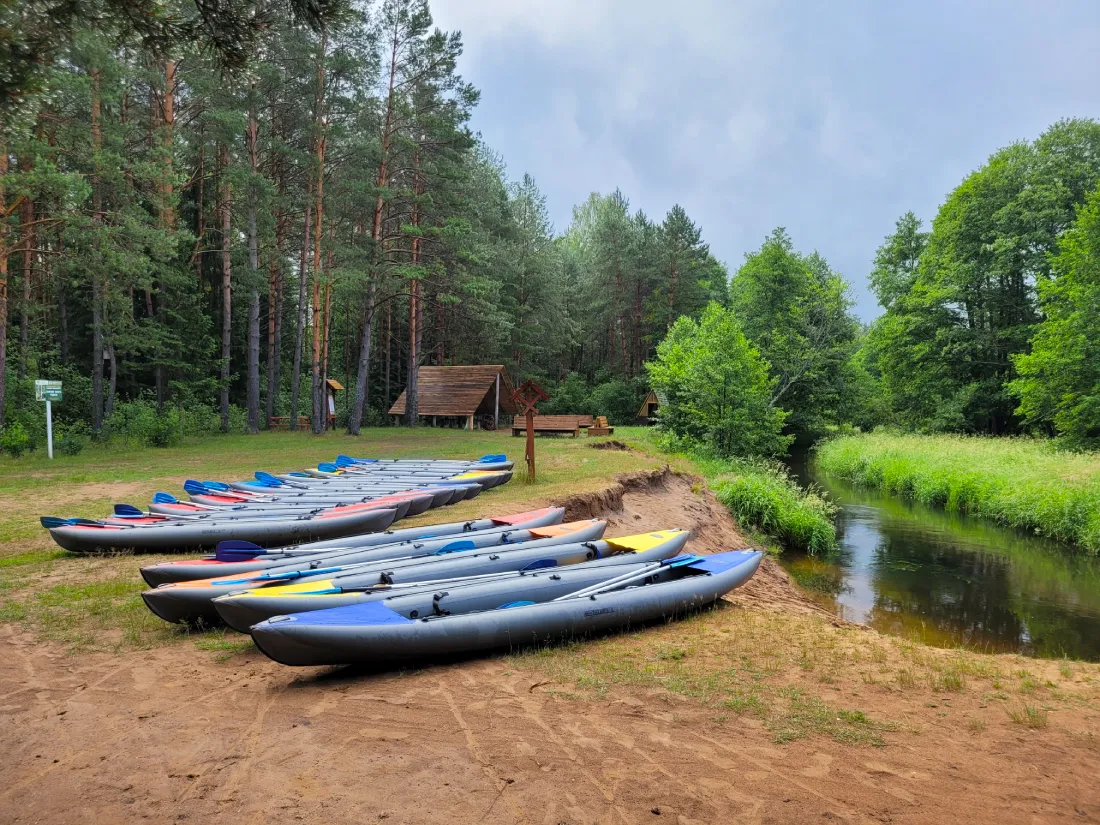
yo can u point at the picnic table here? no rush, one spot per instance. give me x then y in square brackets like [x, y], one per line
[562, 424]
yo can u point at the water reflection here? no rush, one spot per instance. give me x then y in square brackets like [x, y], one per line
[950, 580]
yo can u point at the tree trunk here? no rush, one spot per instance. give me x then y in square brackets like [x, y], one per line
[303, 295]
[227, 287]
[362, 384]
[5, 251]
[318, 417]
[26, 218]
[62, 306]
[412, 382]
[97, 277]
[274, 317]
[113, 383]
[167, 211]
[389, 354]
[253, 366]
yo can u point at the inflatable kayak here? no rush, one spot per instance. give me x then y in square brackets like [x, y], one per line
[387, 631]
[193, 600]
[238, 557]
[436, 597]
[418, 501]
[152, 535]
[488, 462]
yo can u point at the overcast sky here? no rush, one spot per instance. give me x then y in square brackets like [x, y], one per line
[828, 118]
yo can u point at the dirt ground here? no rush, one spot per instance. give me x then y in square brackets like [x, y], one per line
[176, 734]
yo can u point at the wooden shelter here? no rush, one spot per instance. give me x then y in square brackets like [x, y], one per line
[467, 393]
[648, 411]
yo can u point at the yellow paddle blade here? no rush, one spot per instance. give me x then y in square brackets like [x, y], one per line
[299, 589]
[643, 541]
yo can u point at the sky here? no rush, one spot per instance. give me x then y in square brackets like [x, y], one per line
[831, 119]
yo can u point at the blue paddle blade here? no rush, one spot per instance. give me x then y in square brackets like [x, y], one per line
[193, 487]
[492, 458]
[328, 467]
[299, 475]
[454, 547]
[541, 564]
[237, 550]
[268, 479]
[343, 461]
[515, 604]
[680, 561]
[165, 498]
[128, 510]
[56, 521]
[365, 460]
[217, 485]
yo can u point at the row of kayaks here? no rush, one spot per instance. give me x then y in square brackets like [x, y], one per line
[347, 497]
[454, 588]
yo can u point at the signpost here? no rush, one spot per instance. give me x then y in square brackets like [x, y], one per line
[526, 397]
[48, 391]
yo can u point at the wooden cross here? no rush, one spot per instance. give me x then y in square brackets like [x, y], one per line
[525, 398]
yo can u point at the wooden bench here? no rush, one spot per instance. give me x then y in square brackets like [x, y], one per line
[600, 427]
[282, 422]
[565, 424]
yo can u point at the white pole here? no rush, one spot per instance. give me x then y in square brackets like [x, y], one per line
[49, 429]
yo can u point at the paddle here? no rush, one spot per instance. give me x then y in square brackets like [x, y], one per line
[627, 578]
[237, 550]
[57, 521]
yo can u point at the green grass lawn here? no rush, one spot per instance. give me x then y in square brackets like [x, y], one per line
[1019, 482]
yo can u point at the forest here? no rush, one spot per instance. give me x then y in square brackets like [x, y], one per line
[206, 212]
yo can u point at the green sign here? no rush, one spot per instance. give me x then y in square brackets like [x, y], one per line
[47, 390]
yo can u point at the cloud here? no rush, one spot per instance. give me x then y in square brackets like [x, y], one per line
[829, 119]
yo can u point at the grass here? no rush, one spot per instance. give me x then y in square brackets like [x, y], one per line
[1019, 482]
[1030, 716]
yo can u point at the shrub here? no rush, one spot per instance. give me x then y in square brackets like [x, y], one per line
[164, 431]
[71, 439]
[14, 440]
[717, 387]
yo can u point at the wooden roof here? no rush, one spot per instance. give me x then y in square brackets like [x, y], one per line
[334, 384]
[460, 391]
[653, 398]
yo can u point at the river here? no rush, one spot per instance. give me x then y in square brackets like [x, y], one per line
[950, 580]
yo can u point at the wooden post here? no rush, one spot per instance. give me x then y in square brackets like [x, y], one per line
[527, 396]
[470, 423]
[496, 406]
[530, 453]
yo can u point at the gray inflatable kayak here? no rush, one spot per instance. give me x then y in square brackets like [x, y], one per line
[86, 536]
[193, 601]
[237, 557]
[437, 597]
[243, 608]
[380, 632]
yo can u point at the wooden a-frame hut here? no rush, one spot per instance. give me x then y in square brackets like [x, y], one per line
[463, 392]
[648, 411]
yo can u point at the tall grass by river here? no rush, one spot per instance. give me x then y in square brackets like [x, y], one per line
[1019, 482]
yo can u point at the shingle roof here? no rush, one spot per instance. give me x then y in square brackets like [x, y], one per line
[459, 390]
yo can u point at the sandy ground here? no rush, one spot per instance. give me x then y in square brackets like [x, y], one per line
[174, 734]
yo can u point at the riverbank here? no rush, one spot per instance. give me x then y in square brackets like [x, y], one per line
[1022, 483]
[760, 494]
